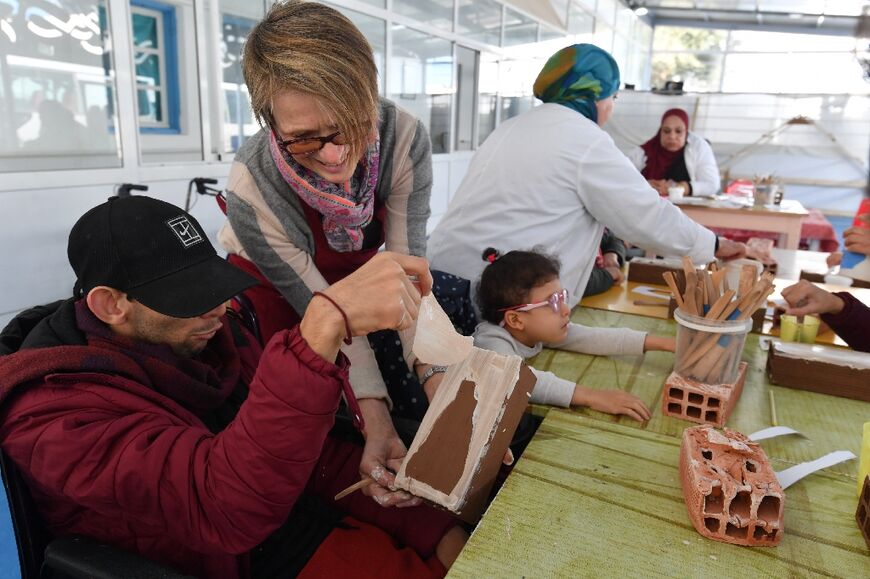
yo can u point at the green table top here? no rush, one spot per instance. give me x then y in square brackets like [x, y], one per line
[829, 422]
[596, 494]
[593, 498]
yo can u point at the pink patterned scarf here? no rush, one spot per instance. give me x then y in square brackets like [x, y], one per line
[346, 208]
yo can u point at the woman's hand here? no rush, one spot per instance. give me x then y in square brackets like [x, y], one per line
[382, 456]
[806, 298]
[612, 402]
[660, 185]
[857, 239]
[729, 250]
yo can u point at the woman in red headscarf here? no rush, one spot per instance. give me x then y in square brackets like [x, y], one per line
[674, 157]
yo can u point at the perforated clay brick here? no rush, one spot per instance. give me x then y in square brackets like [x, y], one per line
[702, 403]
[731, 492]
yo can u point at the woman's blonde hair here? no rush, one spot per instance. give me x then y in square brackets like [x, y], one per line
[314, 49]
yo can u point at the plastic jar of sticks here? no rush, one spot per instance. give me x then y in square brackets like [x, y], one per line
[709, 350]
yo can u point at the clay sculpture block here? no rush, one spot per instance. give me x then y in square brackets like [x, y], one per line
[646, 270]
[731, 492]
[828, 370]
[862, 515]
[457, 452]
[702, 403]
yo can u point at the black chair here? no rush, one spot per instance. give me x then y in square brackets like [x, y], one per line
[40, 555]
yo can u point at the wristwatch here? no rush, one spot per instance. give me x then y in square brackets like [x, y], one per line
[431, 371]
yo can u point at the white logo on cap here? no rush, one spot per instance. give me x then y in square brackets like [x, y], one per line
[184, 230]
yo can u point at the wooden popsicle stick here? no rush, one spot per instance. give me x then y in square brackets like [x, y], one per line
[719, 306]
[672, 284]
[653, 303]
[354, 487]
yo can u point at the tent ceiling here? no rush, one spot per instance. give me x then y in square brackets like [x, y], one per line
[823, 16]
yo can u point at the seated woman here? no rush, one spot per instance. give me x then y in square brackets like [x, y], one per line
[552, 177]
[334, 174]
[674, 157]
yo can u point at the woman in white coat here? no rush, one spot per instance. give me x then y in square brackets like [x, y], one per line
[674, 157]
[552, 177]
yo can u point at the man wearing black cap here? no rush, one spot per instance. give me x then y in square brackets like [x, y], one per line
[144, 416]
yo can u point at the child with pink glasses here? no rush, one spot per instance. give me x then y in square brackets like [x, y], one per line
[524, 307]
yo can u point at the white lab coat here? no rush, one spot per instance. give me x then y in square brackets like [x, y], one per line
[551, 177]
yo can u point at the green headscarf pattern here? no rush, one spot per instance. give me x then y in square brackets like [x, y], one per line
[577, 76]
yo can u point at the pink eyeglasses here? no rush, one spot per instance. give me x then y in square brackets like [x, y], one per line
[555, 302]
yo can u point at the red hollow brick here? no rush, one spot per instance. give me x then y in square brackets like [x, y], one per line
[702, 403]
[731, 492]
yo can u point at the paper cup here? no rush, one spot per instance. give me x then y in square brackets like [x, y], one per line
[675, 193]
[792, 331]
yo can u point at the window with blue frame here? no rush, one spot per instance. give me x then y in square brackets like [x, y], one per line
[155, 55]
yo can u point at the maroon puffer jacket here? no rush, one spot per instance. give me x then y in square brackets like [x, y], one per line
[107, 455]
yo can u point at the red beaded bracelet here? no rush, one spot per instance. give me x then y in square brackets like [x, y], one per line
[348, 336]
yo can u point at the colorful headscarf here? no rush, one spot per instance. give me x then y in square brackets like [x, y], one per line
[346, 208]
[577, 76]
[659, 159]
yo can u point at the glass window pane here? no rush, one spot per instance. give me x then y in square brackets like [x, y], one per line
[421, 80]
[375, 31]
[603, 37]
[519, 29]
[678, 38]
[170, 124]
[606, 10]
[147, 68]
[699, 72]
[145, 31]
[150, 107]
[59, 111]
[238, 18]
[580, 24]
[437, 13]
[548, 33]
[487, 91]
[513, 106]
[480, 20]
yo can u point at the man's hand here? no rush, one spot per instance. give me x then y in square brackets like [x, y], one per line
[379, 295]
[611, 266]
[382, 456]
[729, 250]
[857, 239]
[806, 298]
[836, 258]
[612, 402]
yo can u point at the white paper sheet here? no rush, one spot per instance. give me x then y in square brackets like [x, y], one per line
[793, 474]
[772, 432]
[435, 339]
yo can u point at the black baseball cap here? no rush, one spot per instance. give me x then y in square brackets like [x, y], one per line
[156, 253]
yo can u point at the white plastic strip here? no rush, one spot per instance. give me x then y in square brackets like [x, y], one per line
[772, 432]
[793, 474]
[649, 292]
